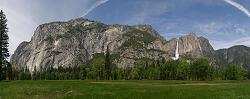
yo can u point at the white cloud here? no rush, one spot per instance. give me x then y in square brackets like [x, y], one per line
[224, 34]
[223, 44]
[98, 3]
[238, 6]
[210, 27]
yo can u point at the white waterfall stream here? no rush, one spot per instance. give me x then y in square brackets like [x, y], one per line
[177, 55]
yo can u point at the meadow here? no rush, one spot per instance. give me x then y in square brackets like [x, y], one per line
[124, 89]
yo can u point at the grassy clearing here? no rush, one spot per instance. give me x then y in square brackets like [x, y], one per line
[125, 89]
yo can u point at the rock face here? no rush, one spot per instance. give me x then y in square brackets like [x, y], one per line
[190, 46]
[239, 55]
[76, 41]
[71, 43]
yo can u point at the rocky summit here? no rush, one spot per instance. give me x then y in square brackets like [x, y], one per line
[71, 43]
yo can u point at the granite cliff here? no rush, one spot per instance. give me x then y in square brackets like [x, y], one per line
[76, 41]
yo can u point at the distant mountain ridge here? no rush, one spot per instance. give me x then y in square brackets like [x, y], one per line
[238, 54]
[71, 43]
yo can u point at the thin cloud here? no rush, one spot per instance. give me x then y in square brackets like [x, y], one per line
[238, 6]
[221, 44]
[94, 6]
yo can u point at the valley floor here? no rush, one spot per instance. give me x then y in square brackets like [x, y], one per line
[144, 89]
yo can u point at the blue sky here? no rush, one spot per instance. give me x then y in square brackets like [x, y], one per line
[224, 22]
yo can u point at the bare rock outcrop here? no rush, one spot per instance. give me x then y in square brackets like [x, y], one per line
[71, 43]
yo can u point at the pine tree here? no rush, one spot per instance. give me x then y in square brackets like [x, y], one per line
[3, 42]
[9, 74]
[83, 72]
[107, 66]
[34, 75]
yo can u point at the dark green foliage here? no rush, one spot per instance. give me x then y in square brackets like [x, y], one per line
[152, 73]
[183, 71]
[136, 74]
[83, 72]
[107, 66]
[96, 69]
[4, 44]
[24, 74]
[34, 76]
[9, 73]
[234, 72]
[201, 70]
[14, 72]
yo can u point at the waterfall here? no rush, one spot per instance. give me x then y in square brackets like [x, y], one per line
[177, 55]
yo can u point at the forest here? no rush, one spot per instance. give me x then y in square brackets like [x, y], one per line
[100, 68]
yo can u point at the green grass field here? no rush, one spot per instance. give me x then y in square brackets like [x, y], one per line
[125, 89]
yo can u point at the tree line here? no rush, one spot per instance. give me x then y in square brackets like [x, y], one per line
[100, 68]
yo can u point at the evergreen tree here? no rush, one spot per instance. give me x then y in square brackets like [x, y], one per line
[107, 66]
[83, 72]
[14, 72]
[34, 75]
[3, 42]
[201, 70]
[135, 73]
[9, 74]
[97, 69]
[183, 70]
[234, 72]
